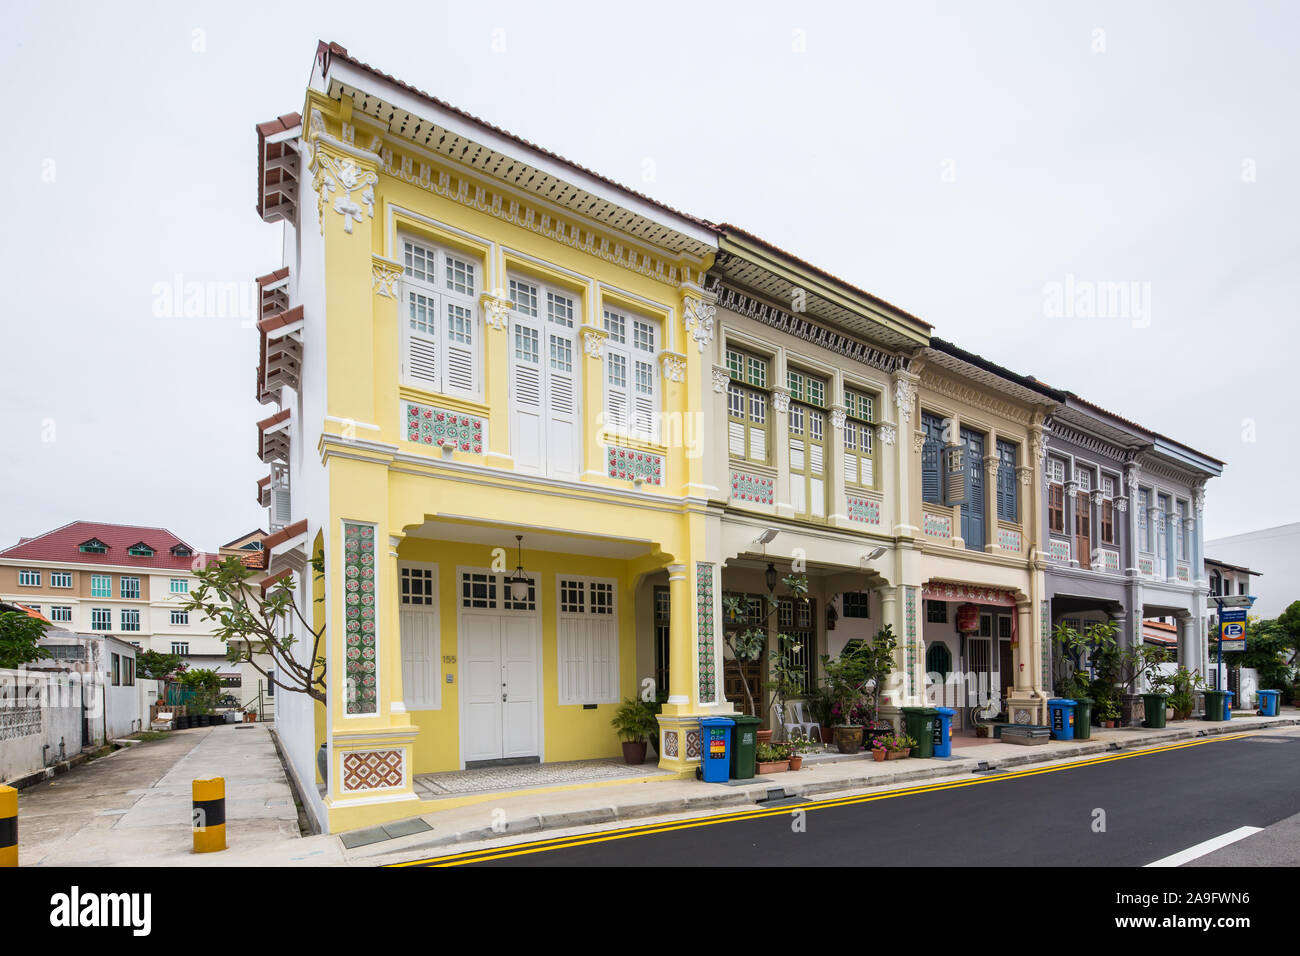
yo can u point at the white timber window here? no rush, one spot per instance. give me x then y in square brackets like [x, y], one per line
[631, 376]
[29, 579]
[807, 444]
[748, 427]
[859, 447]
[442, 344]
[180, 647]
[544, 423]
[587, 641]
[417, 599]
[60, 579]
[61, 613]
[279, 510]
[179, 586]
[180, 617]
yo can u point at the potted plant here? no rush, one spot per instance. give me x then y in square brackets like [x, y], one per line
[898, 746]
[878, 749]
[1108, 712]
[846, 679]
[822, 709]
[746, 644]
[801, 744]
[635, 723]
[772, 758]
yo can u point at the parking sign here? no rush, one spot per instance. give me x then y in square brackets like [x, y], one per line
[1232, 629]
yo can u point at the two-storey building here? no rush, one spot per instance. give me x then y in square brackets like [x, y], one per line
[488, 363]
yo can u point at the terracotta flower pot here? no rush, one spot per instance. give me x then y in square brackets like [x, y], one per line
[897, 754]
[828, 735]
[848, 739]
[796, 762]
[775, 766]
[878, 754]
[765, 736]
[634, 751]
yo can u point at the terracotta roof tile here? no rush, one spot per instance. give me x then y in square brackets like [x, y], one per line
[61, 545]
[284, 534]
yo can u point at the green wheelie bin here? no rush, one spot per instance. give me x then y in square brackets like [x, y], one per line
[1214, 701]
[1153, 706]
[744, 743]
[918, 724]
[1083, 718]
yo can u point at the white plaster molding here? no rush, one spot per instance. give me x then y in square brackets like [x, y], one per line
[674, 366]
[496, 311]
[886, 433]
[838, 416]
[593, 341]
[721, 379]
[698, 317]
[781, 400]
[903, 399]
[384, 276]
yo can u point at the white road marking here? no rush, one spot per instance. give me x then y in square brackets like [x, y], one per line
[1209, 846]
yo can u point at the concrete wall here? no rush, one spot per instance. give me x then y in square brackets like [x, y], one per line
[1275, 553]
[40, 720]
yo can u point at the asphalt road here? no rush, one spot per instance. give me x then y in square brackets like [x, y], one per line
[1151, 805]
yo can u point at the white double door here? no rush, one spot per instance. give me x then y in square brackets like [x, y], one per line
[501, 659]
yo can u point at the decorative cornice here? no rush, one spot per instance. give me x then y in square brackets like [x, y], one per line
[1121, 504]
[698, 317]
[342, 174]
[804, 328]
[1198, 498]
[918, 441]
[1026, 474]
[1071, 488]
[1090, 442]
[974, 397]
[721, 379]
[487, 197]
[838, 414]
[1096, 497]
[496, 311]
[886, 433]
[781, 400]
[674, 366]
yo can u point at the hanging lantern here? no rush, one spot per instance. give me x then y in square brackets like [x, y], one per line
[968, 618]
[518, 582]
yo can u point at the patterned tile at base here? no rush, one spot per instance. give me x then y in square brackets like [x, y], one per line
[863, 509]
[438, 426]
[936, 526]
[1058, 550]
[909, 617]
[670, 743]
[372, 770]
[1008, 539]
[756, 488]
[1045, 641]
[1109, 560]
[359, 616]
[692, 745]
[704, 624]
[1184, 572]
[1146, 566]
[630, 465]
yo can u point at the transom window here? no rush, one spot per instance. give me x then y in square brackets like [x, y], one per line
[441, 350]
[806, 388]
[487, 591]
[416, 586]
[747, 368]
[860, 405]
[559, 309]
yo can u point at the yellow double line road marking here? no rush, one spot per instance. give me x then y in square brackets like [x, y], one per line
[606, 836]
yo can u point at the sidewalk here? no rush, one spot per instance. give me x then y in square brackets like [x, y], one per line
[133, 806]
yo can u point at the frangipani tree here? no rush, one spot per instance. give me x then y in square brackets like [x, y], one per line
[254, 625]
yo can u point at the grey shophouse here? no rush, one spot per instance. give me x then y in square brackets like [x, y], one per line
[1123, 534]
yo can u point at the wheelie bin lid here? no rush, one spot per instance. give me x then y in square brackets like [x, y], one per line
[1062, 702]
[717, 722]
[946, 711]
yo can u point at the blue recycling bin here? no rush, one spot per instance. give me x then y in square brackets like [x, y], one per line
[715, 748]
[1268, 702]
[1060, 711]
[943, 732]
[1227, 704]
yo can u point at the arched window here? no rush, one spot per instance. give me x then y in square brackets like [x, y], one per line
[938, 660]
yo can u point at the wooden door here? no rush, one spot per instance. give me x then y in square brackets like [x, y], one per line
[1083, 529]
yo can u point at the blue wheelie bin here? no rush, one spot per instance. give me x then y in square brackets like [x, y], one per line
[943, 732]
[1268, 702]
[1227, 704]
[715, 749]
[1060, 712]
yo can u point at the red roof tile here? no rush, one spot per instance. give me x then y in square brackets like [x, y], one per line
[61, 545]
[284, 534]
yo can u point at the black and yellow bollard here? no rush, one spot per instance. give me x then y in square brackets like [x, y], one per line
[209, 815]
[8, 826]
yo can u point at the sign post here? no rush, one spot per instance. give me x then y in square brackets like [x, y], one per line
[1232, 625]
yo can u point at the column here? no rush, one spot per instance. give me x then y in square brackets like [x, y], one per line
[679, 736]
[781, 442]
[1071, 529]
[1187, 640]
[592, 388]
[1171, 541]
[1198, 534]
[899, 689]
[834, 464]
[992, 468]
[496, 377]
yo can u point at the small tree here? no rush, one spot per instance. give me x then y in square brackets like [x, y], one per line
[1098, 639]
[747, 646]
[20, 634]
[250, 623]
[879, 660]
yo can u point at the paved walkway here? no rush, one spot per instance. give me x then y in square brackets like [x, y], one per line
[133, 806]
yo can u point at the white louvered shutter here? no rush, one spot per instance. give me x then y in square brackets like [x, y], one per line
[423, 310]
[616, 390]
[562, 412]
[527, 384]
[462, 368]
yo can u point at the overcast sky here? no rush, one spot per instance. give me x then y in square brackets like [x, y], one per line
[973, 163]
